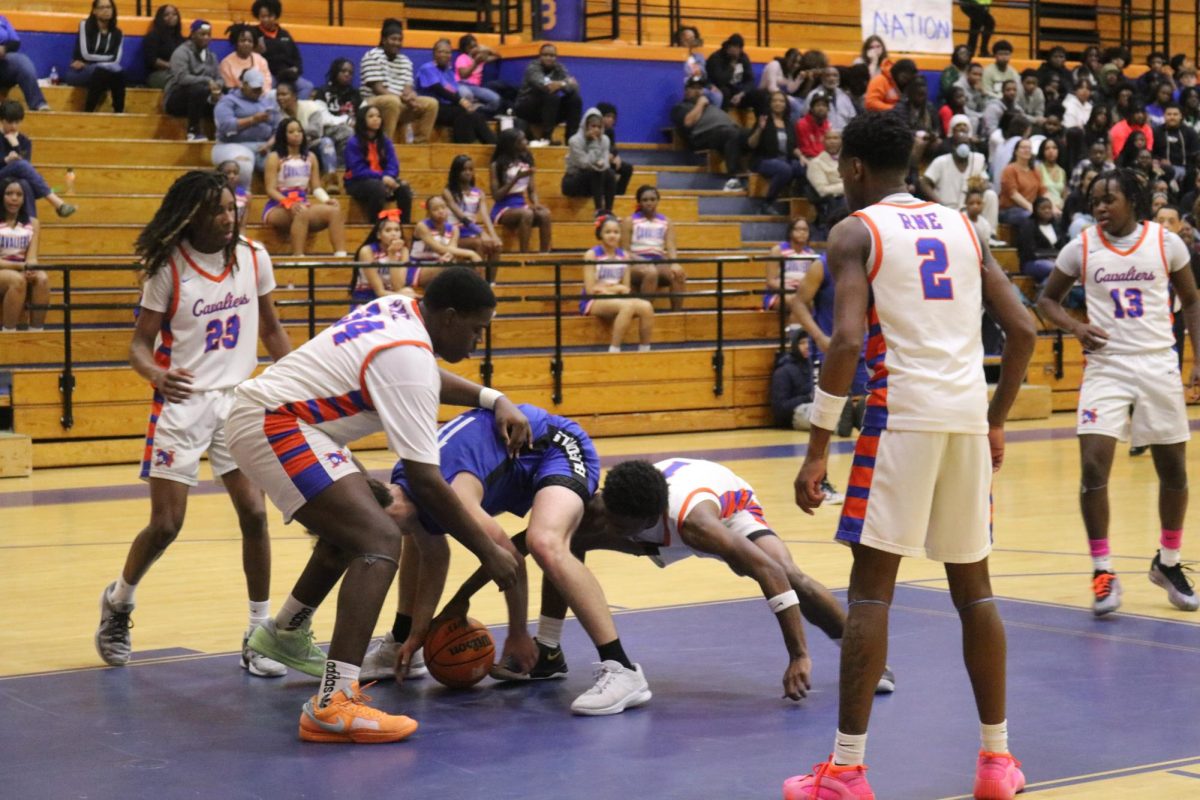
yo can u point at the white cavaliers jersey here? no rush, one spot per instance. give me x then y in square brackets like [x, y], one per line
[294, 173]
[924, 350]
[691, 482]
[210, 312]
[422, 252]
[1127, 281]
[324, 381]
[15, 241]
[609, 274]
[649, 236]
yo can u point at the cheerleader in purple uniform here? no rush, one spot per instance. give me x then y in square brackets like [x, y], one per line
[797, 258]
[650, 236]
[385, 248]
[517, 206]
[290, 174]
[469, 205]
[606, 286]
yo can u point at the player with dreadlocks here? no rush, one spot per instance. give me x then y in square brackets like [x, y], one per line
[204, 288]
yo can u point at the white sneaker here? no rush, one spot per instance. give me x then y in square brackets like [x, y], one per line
[379, 664]
[734, 185]
[540, 143]
[617, 688]
[258, 664]
[994, 242]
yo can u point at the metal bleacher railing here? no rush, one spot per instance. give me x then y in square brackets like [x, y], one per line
[570, 266]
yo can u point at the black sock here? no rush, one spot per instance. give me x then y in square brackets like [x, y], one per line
[401, 627]
[614, 652]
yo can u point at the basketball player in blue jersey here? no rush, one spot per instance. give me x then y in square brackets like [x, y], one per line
[913, 276]
[1131, 384]
[553, 480]
[710, 513]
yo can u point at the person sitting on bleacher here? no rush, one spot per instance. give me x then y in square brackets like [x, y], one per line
[606, 287]
[246, 120]
[587, 167]
[194, 85]
[19, 282]
[16, 69]
[622, 170]
[694, 66]
[886, 88]
[792, 384]
[387, 81]
[948, 177]
[278, 46]
[705, 127]
[96, 62]
[245, 55]
[326, 134]
[650, 236]
[437, 79]
[164, 36]
[730, 70]
[468, 67]
[1038, 241]
[549, 95]
[841, 105]
[469, 206]
[372, 169]
[339, 93]
[775, 148]
[16, 154]
[825, 180]
[297, 204]
[385, 247]
[514, 192]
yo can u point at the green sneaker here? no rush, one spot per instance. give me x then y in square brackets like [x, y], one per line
[294, 648]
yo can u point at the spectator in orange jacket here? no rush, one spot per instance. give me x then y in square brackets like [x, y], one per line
[1134, 121]
[886, 88]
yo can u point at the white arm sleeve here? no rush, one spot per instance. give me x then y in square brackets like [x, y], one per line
[1070, 258]
[156, 291]
[403, 384]
[1178, 256]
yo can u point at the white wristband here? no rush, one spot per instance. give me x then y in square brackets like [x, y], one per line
[321, 194]
[826, 410]
[488, 398]
[784, 601]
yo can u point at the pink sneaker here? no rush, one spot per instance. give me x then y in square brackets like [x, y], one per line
[998, 776]
[829, 781]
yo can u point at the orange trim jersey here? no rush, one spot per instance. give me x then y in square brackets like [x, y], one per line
[924, 350]
[690, 483]
[210, 312]
[373, 370]
[1127, 281]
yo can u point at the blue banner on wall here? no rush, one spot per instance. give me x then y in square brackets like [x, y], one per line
[562, 20]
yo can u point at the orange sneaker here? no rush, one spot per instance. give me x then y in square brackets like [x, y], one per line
[830, 781]
[348, 718]
[998, 776]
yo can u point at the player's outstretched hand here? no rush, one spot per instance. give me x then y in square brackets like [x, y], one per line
[404, 657]
[501, 566]
[512, 426]
[809, 494]
[798, 678]
[520, 651]
[175, 385]
[996, 443]
[1091, 337]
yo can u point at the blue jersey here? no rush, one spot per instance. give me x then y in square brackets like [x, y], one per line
[823, 316]
[560, 454]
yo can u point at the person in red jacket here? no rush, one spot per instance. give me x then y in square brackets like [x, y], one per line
[886, 88]
[1135, 120]
[811, 129]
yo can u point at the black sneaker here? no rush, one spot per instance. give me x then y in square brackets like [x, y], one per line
[1137, 451]
[551, 664]
[1178, 586]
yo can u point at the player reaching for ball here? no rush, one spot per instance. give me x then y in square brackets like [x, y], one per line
[710, 513]
[915, 278]
[373, 370]
[1129, 269]
[553, 480]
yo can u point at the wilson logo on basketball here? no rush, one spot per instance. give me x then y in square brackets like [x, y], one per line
[471, 644]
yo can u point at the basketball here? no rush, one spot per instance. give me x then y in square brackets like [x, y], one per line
[459, 652]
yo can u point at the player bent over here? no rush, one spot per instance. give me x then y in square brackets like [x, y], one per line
[205, 305]
[914, 277]
[373, 370]
[553, 480]
[1128, 269]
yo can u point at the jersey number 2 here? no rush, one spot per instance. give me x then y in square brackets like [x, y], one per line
[934, 282]
[218, 334]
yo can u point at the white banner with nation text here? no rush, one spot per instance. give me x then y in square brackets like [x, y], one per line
[910, 26]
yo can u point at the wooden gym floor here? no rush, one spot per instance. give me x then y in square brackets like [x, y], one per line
[1098, 708]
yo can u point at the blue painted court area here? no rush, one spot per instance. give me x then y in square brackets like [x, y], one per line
[196, 726]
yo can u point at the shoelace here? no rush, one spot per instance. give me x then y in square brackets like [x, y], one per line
[361, 698]
[1102, 584]
[604, 677]
[116, 625]
[1175, 575]
[823, 769]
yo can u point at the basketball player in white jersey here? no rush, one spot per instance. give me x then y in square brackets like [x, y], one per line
[709, 512]
[374, 370]
[1131, 382]
[914, 277]
[205, 305]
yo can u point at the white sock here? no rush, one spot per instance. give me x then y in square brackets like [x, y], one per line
[1102, 563]
[338, 677]
[849, 750]
[994, 738]
[260, 612]
[122, 592]
[643, 348]
[1168, 557]
[35, 330]
[549, 631]
[614, 348]
[293, 614]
